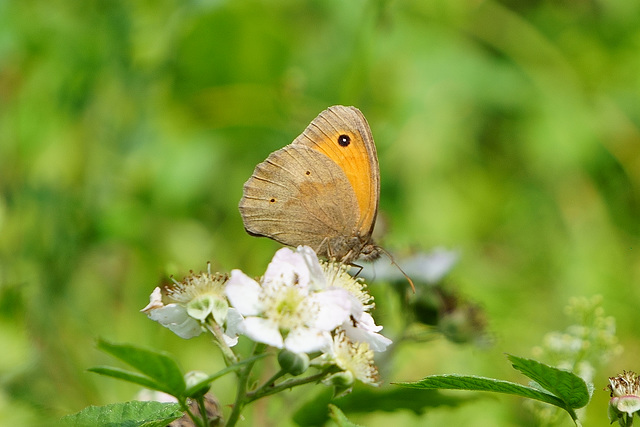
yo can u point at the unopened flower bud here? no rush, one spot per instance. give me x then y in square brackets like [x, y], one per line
[293, 363]
[193, 378]
[341, 379]
[342, 383]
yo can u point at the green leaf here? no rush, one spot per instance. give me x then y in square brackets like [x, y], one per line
[158, 366]
[129, 414]
[339, 417]
[566, 385]
[462, 382]
[131, 377]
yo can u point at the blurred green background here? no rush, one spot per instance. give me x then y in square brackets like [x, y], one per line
[507, 130]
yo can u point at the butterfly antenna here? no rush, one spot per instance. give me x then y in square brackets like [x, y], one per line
[393, 261]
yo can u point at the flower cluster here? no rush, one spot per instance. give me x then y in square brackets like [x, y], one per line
[586, 344]
[300, 305]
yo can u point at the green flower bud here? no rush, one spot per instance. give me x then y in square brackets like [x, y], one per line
[342, 383]
[293, 363]
[195, 377]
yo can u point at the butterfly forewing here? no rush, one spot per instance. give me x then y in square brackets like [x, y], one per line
[298, 196]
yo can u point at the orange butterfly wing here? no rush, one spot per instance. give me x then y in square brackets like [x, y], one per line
[343, 134]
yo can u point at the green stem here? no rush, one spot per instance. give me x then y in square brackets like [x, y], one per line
[229, 356]
[270, 381]
[203, 410]
[266, 390]
[243, 379]
[196, 420]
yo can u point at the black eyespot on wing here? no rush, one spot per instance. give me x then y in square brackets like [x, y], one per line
[273, 200]
[344, 140]
[308, 172]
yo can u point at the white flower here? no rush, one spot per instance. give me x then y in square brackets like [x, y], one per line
[290, 267]
[317, 276]
[172, 316]
[291, 307]
[192, 302]
[360, 326]
[353, 358]
[233, 326]
[364, 329]
[625, 393]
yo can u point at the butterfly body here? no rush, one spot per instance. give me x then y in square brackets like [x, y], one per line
[322, 190]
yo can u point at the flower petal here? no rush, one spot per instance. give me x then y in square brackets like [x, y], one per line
[287, 267]
[244, 293]
[365, 321]
[262, 330]
[318, 280]
[235, 325]
[155, 301]
[334, 307]
[175, 317]
[377, 342]
[306, 340]
[365, 330]
[628, 404]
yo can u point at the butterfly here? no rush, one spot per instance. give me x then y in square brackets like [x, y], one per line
[322, 190]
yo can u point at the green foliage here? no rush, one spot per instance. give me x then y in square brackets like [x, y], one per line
[130, 414]
[339, 417]
[568, 387]
[159, 370]
[553, 386]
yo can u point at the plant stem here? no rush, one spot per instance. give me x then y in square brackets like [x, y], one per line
[229, 356]
[196, 420]
[270, 381]
[265, 390]
[243, 378]
[203, 410]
